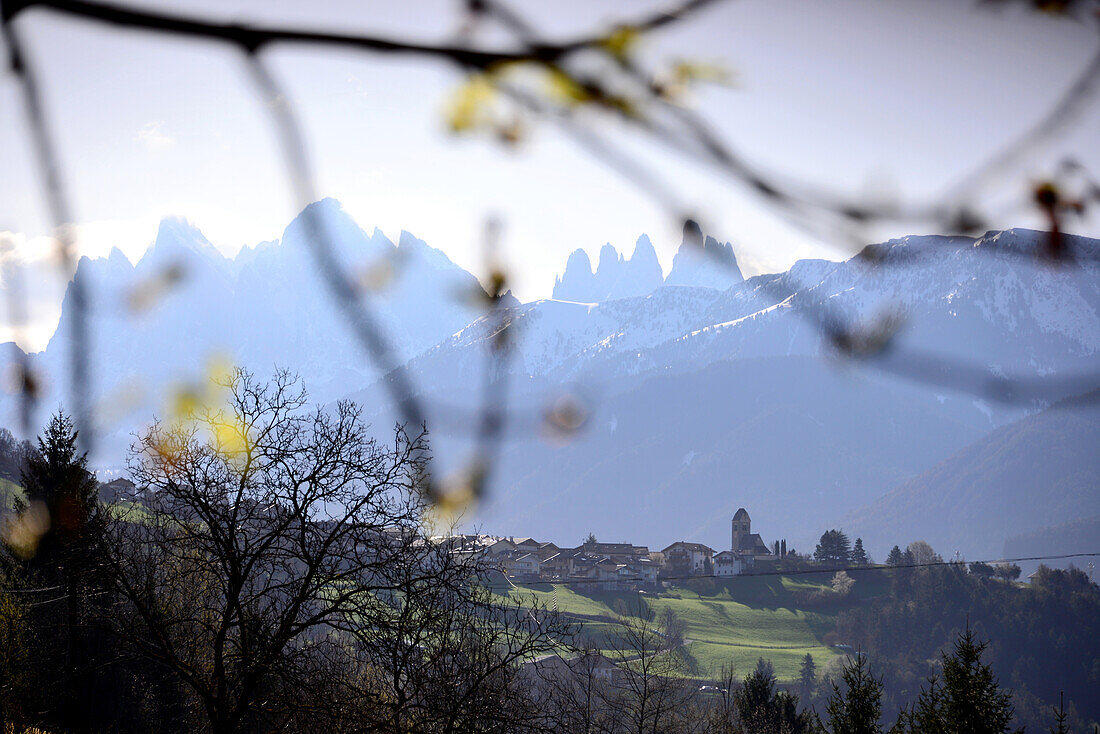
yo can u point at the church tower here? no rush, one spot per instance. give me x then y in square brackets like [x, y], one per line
[742, 528]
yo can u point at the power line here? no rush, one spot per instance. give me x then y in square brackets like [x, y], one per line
[30, 591]
[762, 574]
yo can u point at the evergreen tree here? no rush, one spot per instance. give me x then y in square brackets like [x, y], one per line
[807, 674]
[69, 647]
[859, 556]
[857, 707]
[968, 701]
[1060, 716]
[834, 548]
[981, 570]
[57, 479]
[763, 710]
[896, 558]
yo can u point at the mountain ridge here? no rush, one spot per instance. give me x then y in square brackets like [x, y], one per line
[1037, 472]
[757, 344]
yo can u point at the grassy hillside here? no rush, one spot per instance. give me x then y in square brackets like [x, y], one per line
[723, 631]
[9, 491]
[726, 621]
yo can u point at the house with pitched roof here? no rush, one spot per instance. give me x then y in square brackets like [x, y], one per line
[727, 563]
[688, 559]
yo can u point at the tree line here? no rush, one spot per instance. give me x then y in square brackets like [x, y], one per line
[1043, 637]
[834, 549]
[270, 568]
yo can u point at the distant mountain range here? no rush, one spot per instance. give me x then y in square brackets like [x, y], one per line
[1020, 479]
[701, 262]
[157, 324]
[705, 391]
[1077, 536]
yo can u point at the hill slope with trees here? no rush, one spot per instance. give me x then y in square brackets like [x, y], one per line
[1037, 472]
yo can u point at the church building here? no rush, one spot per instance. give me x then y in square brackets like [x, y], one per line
[747, 545]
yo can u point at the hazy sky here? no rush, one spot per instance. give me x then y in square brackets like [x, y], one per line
[863, 95]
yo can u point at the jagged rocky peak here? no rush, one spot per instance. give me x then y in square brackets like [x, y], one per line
[704, 262]
[415, 252]
[180, 254]
[609, 259]
[641, 274]
[575, 284]
[115, 267]
[646, 255]
[350, 243]
[117, 259]
[615, 277]
[408, 240]
[701, 262]
[179, 240]
[107, 271]
[380, 239]
[608, 274]
[507, 300]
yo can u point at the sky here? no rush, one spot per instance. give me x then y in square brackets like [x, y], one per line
[878, 97]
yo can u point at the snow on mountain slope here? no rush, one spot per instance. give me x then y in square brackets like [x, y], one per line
[976, 300]
[727, 373]
[557, 338]
[983, 301]
[159, 323]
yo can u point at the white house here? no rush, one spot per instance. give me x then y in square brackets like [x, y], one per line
[524, 565]
[694, 557]
[727, 563]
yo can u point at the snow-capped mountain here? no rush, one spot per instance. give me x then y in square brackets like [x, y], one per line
[705, 391]
[986, 301]
[158, 325]
[704, 400]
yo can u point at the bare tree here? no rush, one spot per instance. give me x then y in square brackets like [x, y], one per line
[279, 564]
[922, 553]
[648, 690]
[266, 528]
[451, 656]
[718, 709]
[574, 691]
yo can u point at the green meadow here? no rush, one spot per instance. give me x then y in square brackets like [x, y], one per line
[726, 622]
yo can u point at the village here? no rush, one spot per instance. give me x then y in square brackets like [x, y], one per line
[624, 565]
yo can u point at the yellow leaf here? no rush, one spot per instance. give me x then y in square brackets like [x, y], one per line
[685, 72]
[230, 436]
[621, 40]
[22, 533]
[185, 403]
[220, 370]
[566, 89]
[469, 105]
